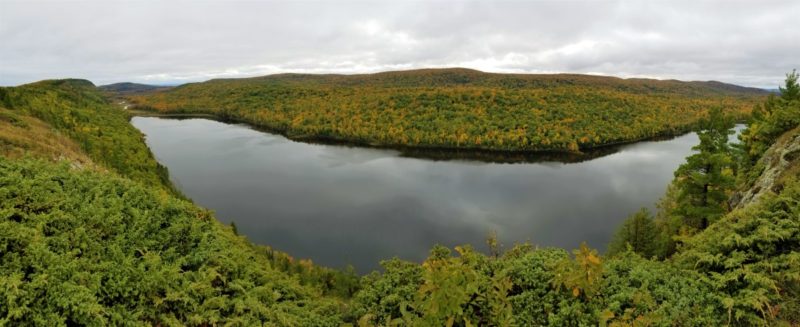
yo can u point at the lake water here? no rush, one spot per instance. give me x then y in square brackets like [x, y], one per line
[341, 205]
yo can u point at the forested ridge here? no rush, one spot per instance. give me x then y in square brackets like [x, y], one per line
[86, 239]
[76, 110]
[459, 108]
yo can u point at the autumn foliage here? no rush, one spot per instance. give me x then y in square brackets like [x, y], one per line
[459, 108]
[97, 238]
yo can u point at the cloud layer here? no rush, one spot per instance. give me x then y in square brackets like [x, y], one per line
[744, 42]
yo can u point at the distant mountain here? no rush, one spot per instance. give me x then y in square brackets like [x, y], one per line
[131, 88]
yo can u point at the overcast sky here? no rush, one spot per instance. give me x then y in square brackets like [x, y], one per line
[751, 43]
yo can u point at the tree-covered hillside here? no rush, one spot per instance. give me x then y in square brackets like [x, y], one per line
[459, 108]
[87, 240]
[76, 110]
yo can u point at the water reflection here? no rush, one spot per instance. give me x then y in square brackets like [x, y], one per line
[340, 205]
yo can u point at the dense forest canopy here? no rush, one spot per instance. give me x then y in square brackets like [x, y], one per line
[91, 235]
[459, 108]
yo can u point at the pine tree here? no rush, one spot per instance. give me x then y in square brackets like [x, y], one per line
[707, 176]
[640, 232]
[791, 90]
[787, 115]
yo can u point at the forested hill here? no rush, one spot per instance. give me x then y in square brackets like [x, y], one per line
[77, 113]
[451, 77]
[459, 108]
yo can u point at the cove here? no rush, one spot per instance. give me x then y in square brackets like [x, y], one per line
[340, 205]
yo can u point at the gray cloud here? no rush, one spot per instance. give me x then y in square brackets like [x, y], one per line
[745, 42]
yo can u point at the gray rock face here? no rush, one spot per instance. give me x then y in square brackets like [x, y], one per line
[776, 161]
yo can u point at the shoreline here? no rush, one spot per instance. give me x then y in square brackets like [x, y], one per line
[431, 152]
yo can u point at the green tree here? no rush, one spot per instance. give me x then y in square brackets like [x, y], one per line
[640, 232]
[582, 276]
[707, 176]
[775, 116]
[791, 89]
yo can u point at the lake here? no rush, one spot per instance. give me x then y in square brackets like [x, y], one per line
[340, 205]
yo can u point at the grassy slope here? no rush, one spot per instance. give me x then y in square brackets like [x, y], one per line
[22, 135]
[459, 108]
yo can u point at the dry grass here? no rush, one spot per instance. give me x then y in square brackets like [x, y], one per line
[22, 136]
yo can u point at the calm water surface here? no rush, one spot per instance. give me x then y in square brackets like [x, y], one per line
[342, 205]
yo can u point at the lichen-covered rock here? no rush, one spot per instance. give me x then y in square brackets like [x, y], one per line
[780, 162]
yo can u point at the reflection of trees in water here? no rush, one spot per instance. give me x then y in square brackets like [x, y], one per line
[430, 153]
[519, 156]
[337, 156]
